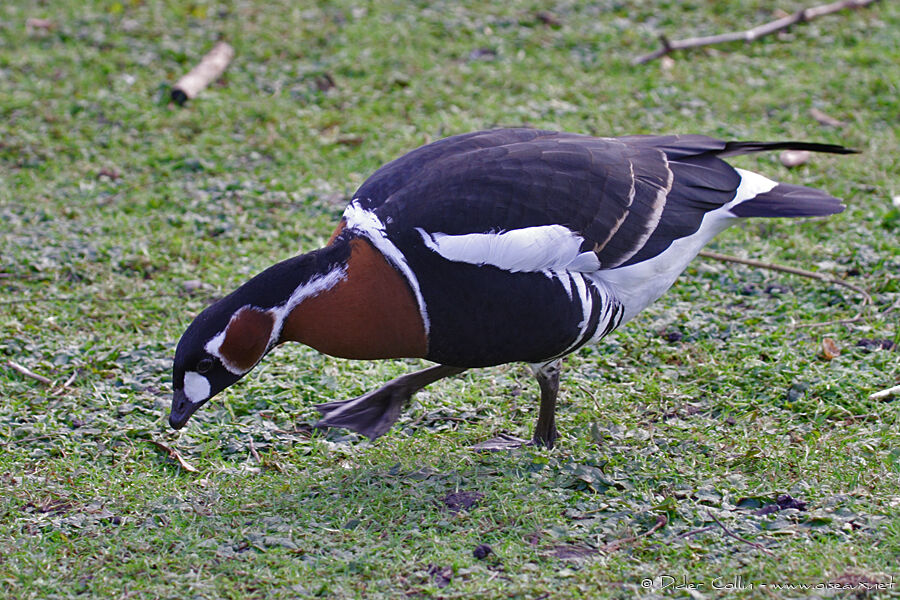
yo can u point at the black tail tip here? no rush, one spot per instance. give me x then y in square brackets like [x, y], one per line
[789, 200]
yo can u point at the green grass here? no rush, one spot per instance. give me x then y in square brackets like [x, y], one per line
[121, 216]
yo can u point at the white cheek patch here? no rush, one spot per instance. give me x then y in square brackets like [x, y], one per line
[196, 387]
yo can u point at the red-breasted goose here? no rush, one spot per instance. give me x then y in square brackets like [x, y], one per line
[488, 248]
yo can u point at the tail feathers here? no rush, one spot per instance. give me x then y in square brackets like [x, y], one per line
[735, 148]
[788, 200]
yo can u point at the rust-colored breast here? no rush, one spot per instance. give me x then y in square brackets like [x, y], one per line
[370, 314]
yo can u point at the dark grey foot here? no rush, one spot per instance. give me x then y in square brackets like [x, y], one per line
[509, 442]
[371, 414]
[544, 439]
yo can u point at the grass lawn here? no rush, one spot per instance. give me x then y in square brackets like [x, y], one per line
[709, 448]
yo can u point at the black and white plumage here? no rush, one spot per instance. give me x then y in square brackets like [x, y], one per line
[524, 245]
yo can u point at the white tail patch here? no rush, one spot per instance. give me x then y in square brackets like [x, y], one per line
[752, 185]
[530, 249]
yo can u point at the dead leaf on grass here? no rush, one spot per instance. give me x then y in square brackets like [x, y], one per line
[830, 349]
[459, 501]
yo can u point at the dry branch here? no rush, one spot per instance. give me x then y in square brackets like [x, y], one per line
[867, 299]
[731, 534]
[886, 394]
[801, 16]
[616, 544]
[210, 68]
[28, 373]
[175, 455]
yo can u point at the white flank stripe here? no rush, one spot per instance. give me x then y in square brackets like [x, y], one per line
[530, 249]
[585, 296]
[367, 223]
[564, 278]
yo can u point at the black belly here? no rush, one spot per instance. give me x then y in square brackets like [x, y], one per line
[482, 315]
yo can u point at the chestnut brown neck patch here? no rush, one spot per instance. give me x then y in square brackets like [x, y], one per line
[371, 313]
[246, 338]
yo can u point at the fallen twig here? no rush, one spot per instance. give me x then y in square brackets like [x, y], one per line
[825, 119]
[616, 544]
[730, 533]
[28, 373]
[696, 531]
[254, 453]
[71, 379]
[801, 16]
[210, 68]
[174, 455]
[885, 394]
[856, 319]
[867, 299]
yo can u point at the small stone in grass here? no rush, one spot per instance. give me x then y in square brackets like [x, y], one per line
[672, 336]
[192, 285]
[481, 551]
[876, 344]
[794, 158]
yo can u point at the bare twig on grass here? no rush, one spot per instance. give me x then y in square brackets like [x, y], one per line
[254, 453]
[28, 373]
[616, 544]
[71, 379]
[174, 455]
[859, 317]
[867, 299]
[886, 394]
[696, 531]
[801, 16]
[731, 534]
[210, 68]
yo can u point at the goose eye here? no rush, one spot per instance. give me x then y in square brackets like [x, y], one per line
[204, 365]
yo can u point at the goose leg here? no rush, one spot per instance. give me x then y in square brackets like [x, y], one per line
[373, 413]
[547, 375]
[545, 433]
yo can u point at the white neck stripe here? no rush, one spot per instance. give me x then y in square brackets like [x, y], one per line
[367, 223]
